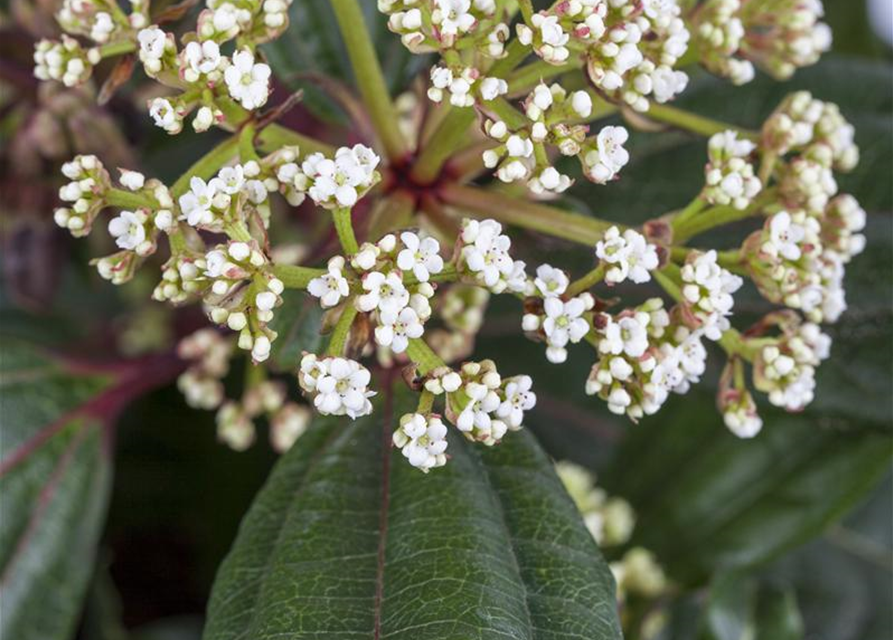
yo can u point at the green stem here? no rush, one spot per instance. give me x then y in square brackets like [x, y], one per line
[586, 282]
[129, 200]
[449, 274]
[668, 278]
[246, 143]
[426, 402]
[369, 76]
[690, 211]
[420, 353]
[238, 231]
[693, 122]
[684, 229]
[294, 277]
[344, 228]
[732, 260]
[523, 213]
[342, 330]
[392, 213]
[117, 48]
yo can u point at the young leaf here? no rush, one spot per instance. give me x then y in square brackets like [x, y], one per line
[54, 479]
[347, 540]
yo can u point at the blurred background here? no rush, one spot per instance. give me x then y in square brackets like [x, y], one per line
[178, 495]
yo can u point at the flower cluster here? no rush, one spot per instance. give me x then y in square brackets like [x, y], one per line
[630, 48]
[484, 259]
[551, 121]
[209, 355]
[707, 292]
[204, 78]
[422, 440]
[626, 256]
[242, 294]
[337, 386]
[332, 183]
[799, 257]
[609, 519]
[231, 197]
[730, 175]
[779, 36]
[477, 28]
[482, 404]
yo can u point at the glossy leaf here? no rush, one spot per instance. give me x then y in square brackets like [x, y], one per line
[347, 540]
[298, 322]
[54, 479]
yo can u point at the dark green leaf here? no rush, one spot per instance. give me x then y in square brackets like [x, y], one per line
[347, 540]
[298, 322]
[54, 479]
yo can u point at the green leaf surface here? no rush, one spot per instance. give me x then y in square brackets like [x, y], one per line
[298, 322]
[347, 540]
[54, 478]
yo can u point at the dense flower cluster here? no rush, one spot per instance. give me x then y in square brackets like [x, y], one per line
[209, 354]
[779, 36]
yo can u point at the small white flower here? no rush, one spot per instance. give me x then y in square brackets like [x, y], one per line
[563, 323]
[397, 330]
[518, 399]
[152, 43]
[455, 16]
[197, 202]
[421, 257]
[333, 286]
[605, 161]
[248, 82]
[128, 230]
[165, 115]
[230, 180]
[550, 281]
[785, 236]
[628, 335]
[202, 58]
[386, 293]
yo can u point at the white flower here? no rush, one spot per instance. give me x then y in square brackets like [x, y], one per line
[128, 230]
[609, 156]
[203, 58]
[785, 237]
[422, 257]
[230, 180]
[628, 335]
[422, 440]
[333, 286]
[397, 330]
[486, 252]
[165, 115]
[196, 203]
[248, 83]
[708, 289]
[152, 43]
[563, 323]
[629, 255]
[339, 182]
[455, 16]
[386, 293]
[342, 388]
[518, 399]
[550, 281]
[742, 421]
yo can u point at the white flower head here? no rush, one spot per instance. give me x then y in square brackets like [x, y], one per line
[422, 440]
[420, 256]
[332, 286]
[626, 256]
[128, 229]
[342, 388]
[248, 82]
